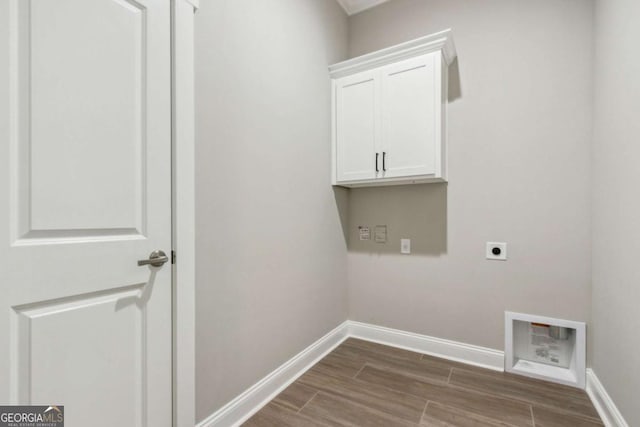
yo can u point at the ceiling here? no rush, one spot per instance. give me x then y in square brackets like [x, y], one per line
[356, 6]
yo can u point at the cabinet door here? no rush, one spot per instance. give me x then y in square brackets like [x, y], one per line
[356, 115]
[411, 116]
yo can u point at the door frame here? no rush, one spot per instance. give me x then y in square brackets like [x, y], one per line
[183, 211]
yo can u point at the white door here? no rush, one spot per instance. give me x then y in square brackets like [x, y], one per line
[357, 112]
[410, 116]
[85, 192]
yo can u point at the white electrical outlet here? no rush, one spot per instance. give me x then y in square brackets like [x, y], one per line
[497, 251]
[405, 246]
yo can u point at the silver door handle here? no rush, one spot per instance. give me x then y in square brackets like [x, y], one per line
[156, 259]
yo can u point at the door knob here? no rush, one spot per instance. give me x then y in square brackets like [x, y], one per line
[156, 259]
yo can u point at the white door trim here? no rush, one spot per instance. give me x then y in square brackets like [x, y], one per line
[183, 206]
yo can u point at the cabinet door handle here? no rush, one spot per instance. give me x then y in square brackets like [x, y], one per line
[377, 170]
[384, 166]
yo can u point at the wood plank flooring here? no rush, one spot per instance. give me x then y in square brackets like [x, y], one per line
[366, 384]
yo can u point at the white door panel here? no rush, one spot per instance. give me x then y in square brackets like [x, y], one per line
[357, 121]
[410, 116]
[98, 124]
[85, 145]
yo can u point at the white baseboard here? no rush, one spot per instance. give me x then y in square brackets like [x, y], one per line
[249, 402]
[611, 416]
[446, 349]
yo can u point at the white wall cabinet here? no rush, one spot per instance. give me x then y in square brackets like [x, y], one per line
[389, 114]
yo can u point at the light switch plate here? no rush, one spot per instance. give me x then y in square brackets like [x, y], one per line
[496, 251]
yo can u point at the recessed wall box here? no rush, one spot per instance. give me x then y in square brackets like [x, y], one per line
[381, 233]
[546, 348]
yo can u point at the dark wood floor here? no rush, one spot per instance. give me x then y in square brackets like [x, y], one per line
[367, 384]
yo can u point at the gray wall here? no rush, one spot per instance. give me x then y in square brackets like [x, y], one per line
[271, 254]
[520, 136]
[616, 204]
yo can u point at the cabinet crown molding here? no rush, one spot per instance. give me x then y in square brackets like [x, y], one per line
[194, 3]
[441, 41]
[352, 7]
